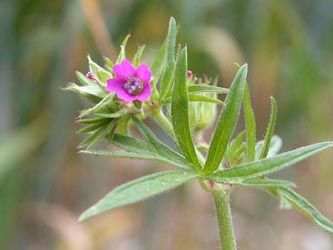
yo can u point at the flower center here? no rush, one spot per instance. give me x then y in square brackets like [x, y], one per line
[133, 86]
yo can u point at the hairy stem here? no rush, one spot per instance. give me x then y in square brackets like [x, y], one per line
[164, 122]
[222, 205]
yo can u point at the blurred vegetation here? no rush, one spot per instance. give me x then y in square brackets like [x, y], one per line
[45, 184]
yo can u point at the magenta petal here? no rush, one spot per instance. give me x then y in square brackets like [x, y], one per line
[123, 95]
[143, 73]
[145, 94]
[114, 84]
[124, 70]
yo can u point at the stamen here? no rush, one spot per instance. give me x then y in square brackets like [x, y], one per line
[133, 86]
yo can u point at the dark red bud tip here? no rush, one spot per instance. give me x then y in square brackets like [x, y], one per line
[189, 74]
[212, 184]
[90, 76]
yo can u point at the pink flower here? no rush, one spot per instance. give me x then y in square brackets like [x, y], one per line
[129, 83]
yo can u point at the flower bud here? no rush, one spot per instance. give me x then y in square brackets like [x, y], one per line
[202, 114]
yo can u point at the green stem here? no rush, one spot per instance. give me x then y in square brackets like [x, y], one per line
[164, 122]
[222, 205]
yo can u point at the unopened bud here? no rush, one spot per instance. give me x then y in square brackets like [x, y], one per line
[91, 76]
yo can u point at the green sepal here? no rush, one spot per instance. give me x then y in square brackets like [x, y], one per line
[90, 93]
[101, 74]
[122, 53]
[106, 100]
[138, 55]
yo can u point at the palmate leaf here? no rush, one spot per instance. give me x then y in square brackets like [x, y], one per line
[289, 198]
[180, 111]
[226, 122]
[138, 190]
[269, 165]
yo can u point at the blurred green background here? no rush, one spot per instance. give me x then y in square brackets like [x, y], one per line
[45, 184]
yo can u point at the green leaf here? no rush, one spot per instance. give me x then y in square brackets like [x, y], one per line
[139, 189]
[269, 165]
[125, 154]
[250, 124]
[108, 63]
[167, 79]
[274, 147]
[122, 54]
[84, 80]
[100, 73]
[265, 183]
[131, 144]
[199, 98]
[234, 145]
[306, 208]
[91, 120]
[202, 98]
[270, 130]
[179, 111]
[140, 153]
[159, 63]
[119, 113]
[91, 93]
[92, 127]
[138, 55]
[238, 156]
[99, 105]
[226, 122]
[113, 128]
[97, 135]
[206, 88]
[159, 147]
